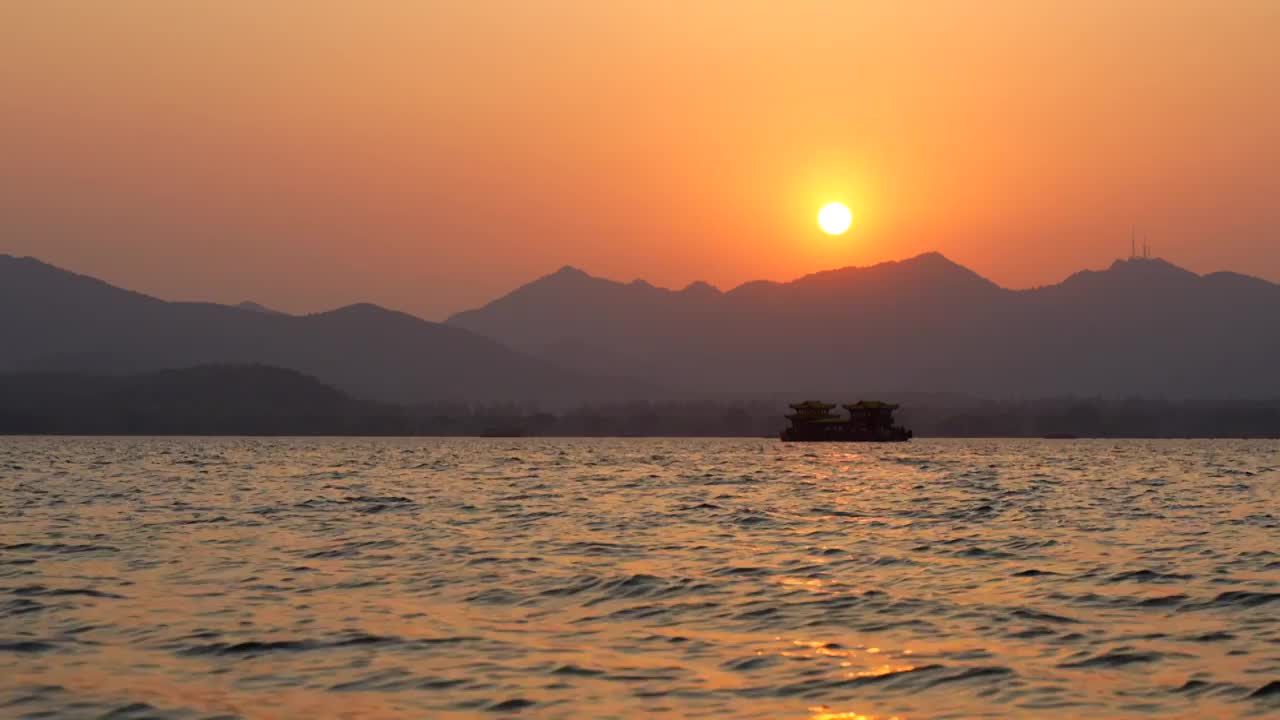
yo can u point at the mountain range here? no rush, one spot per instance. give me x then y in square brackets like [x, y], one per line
[923, 325]
[55, 320]
[1143, 326]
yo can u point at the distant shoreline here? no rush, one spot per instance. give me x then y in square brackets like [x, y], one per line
[265, 401]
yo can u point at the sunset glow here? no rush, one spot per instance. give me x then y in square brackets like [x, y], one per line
[349, 148]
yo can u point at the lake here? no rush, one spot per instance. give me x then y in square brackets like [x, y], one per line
[464, 578]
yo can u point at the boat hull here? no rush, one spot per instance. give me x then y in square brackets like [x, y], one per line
[840, 435]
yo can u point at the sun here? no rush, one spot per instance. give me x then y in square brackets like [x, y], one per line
[834, 218]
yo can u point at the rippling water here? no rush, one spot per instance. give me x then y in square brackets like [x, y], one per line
[628, 578]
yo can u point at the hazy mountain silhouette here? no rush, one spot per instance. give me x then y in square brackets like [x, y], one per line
[928, 324]
[54, 320]
[922, 325]
[257, 307]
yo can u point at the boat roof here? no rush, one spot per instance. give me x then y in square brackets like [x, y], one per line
[871, 405]
[812, 405]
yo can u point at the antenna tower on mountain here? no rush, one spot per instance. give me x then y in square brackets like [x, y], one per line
[1133, 247]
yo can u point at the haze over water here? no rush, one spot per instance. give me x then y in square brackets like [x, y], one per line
[631, 578]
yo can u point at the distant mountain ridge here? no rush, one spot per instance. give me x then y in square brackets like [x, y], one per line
[926, 323]
[257, 307]
[55, 320]
[922, 325]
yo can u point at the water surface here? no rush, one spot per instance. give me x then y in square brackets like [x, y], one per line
[189, 578]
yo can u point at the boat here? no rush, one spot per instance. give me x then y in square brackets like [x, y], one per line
[868, 421]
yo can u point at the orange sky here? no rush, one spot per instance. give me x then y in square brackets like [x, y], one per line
[431, 155]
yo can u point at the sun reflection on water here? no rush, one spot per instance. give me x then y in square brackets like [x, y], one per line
[854, 668]
[822, 713]
[808, 583]
[882, 670]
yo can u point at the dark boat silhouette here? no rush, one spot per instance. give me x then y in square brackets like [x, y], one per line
[868, 421]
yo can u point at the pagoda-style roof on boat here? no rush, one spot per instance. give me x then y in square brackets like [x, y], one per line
[871, 405]
[813, 405]
[867, 421]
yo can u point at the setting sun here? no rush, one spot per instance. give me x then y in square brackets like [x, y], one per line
[834, 218]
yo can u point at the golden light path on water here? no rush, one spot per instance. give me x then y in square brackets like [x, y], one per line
[463, 578]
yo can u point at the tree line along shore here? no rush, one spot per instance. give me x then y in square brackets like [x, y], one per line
[263, 400]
